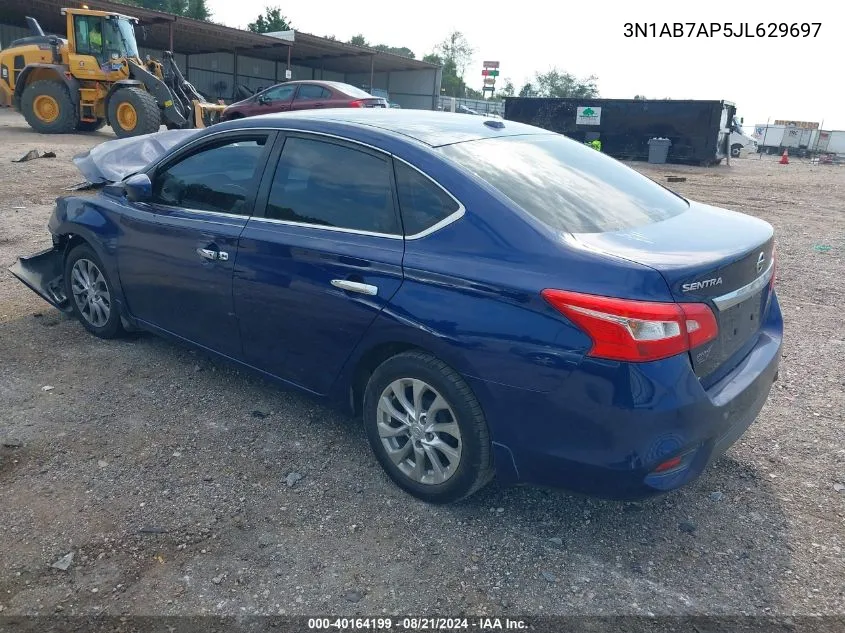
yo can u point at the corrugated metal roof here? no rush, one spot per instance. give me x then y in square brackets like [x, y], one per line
[197, 36]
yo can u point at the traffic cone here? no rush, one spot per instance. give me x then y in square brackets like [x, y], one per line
[784, 160]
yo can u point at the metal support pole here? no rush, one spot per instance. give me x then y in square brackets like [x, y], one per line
[372, 73]
[288, 66]
[170, 35]
[235, 71]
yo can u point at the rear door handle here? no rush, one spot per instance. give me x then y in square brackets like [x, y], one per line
[354, 286]
[213, 255]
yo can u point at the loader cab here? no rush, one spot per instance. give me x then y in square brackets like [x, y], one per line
[99, 42]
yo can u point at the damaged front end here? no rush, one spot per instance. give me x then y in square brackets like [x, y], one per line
[44, 274]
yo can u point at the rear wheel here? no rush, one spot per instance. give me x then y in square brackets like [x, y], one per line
[48, 108]
[427, 429]
[736, 150]
[91, 293]
[133, 112]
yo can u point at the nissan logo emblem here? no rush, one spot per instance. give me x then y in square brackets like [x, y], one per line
[760, 261]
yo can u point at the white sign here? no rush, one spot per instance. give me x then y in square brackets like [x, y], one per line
[587, 115]
[288, 74]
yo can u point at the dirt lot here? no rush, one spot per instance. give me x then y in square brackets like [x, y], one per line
[164, 472]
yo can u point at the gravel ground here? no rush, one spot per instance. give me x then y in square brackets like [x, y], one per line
[168, 475]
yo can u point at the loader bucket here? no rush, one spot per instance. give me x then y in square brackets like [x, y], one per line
[206, 114]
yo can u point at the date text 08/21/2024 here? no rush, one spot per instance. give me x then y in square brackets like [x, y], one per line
[724, 29]
[416, 624]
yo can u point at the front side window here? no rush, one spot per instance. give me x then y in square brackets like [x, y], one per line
[566, 185]
[323, 183]
[88, 32]
[218, 178]
[422, 202]
[279, 93]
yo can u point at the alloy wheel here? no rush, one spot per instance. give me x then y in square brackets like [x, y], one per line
[90, 292]
[419, 431]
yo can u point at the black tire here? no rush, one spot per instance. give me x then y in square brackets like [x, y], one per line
[112, 328]
[736, 150]
[147, 113]
[475, 466]
[66, 118]
[90, 126]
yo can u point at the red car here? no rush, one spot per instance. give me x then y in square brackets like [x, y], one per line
[303, 95]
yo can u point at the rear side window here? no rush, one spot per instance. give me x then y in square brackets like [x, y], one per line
[310, 91]
[219, 178]
[566, 185]
[422, 202]
[318, 182]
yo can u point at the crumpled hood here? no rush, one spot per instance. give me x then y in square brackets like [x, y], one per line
[113, 161]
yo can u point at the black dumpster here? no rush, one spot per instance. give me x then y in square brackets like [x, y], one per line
[698, 130]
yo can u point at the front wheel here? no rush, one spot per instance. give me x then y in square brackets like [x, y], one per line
[736, 150]
[427, 429]
[132, 112]
[91, 293]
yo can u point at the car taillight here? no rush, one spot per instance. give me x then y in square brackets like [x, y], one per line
[358, 103]
[636, 331]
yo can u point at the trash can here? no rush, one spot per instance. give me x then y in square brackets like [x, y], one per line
[658, 150]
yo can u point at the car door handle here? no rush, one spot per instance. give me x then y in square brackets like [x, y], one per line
[213, 255]
[354, 286]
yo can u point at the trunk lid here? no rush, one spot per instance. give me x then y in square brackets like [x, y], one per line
[707, 255]
[373, 102]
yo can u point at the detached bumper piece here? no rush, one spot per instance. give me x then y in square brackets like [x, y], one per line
[43, 274]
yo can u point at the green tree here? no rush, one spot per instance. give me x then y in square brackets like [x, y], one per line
[270, 21]
[404, 51]
[456, 49]
[527, 90]
[359, 40]
[197, 9]
[507, 90]
[453, 55]
[560, 84]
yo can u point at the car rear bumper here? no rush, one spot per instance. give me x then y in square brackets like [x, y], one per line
[612, 424]
[43, 273]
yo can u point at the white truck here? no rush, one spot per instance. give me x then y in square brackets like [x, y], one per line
[739, 140]
[831, 142]
[799, 141]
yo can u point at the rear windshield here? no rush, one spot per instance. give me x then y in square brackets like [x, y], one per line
[352, 91]
[567, 185]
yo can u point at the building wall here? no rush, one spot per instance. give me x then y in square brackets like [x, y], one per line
[10, 33]
[413, 89]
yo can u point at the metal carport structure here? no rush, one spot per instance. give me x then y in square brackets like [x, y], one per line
[217, 58]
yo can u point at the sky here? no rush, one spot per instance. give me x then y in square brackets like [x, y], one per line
[768, 78]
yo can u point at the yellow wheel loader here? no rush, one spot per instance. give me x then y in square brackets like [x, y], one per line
[97, 77]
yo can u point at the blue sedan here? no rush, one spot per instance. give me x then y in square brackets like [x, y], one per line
[492, 299]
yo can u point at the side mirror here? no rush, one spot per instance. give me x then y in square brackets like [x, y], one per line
[741, 120]
[263, 100]
[138, 188]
